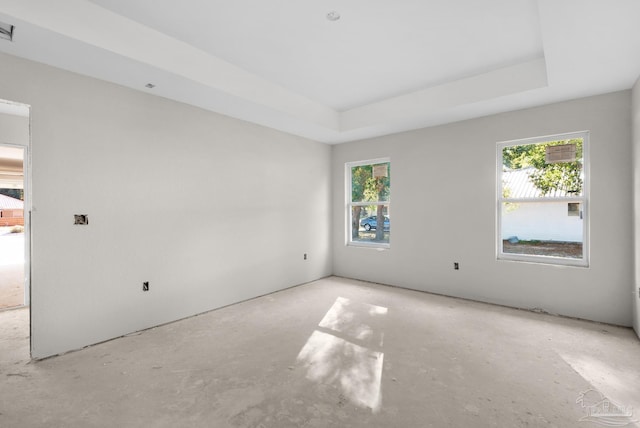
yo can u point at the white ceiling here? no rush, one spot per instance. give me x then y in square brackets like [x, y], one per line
[384, 67]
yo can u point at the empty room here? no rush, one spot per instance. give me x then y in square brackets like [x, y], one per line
[319, 214]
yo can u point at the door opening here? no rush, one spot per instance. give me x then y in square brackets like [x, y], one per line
[15, 260]
[12, 249]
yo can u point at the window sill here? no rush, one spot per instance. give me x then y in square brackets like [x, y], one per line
[544, 260]
[370, 245]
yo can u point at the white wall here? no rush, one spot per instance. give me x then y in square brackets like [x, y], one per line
[443, 188]
[543, 221]
[636, 215]
[209, 209]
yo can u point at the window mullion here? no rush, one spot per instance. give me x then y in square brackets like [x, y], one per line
[558, 199]
[368, 203]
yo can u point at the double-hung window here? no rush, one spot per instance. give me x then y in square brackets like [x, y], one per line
[369, 203]
[543, 189]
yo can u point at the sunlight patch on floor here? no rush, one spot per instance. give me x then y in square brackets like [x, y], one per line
[346, 351]
[609, 381]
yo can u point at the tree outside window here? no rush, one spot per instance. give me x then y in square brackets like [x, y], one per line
[369, 186]
[542, 200]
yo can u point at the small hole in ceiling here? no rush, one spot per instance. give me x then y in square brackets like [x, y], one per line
[333, 15]
[150, 85]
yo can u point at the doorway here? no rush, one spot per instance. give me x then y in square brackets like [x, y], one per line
[13, 287]
[14, 211]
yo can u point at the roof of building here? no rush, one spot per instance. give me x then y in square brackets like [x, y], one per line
[520, 186]
[9, 203]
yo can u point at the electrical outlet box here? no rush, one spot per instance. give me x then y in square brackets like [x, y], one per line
[456, 266]
[305, 256]
[145, 286]
[81, 219]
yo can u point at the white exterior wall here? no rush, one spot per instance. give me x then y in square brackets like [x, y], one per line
[210, 210]
[541, 221]
[445, 176]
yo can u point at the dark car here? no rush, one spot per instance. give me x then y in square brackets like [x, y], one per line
[371, 223]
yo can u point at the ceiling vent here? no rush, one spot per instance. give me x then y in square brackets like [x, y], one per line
[6, 31]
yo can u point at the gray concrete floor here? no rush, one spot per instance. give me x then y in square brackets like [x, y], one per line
[333, 353]
[11, 285]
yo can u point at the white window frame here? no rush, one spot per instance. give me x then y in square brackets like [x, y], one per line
[583, 200]
[349, 204]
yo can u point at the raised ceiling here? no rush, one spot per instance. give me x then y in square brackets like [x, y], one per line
[383, 67]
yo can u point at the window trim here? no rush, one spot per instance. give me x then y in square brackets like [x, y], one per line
[584, 200]
[348, 204]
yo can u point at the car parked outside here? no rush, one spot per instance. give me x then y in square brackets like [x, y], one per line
[371, 222]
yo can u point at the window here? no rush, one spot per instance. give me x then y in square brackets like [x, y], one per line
[543, 200]
[369, 203]
[573, 208]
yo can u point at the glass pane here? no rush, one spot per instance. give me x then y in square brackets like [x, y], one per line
[542, 229]
[365, 226]
[550, 169]
[370, 182]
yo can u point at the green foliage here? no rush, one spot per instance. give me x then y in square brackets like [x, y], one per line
[365, 187]
[506, 193]
[360, 176]
[547, 177]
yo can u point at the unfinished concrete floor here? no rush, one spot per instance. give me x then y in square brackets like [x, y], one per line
[333, 353]
[11, 285]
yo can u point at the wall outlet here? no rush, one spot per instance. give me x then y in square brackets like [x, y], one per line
[305, 256]
[145, 286]
[81, 219]
[456, 266]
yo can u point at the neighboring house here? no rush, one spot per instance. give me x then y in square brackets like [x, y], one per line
[556, 221]
[11, 211]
